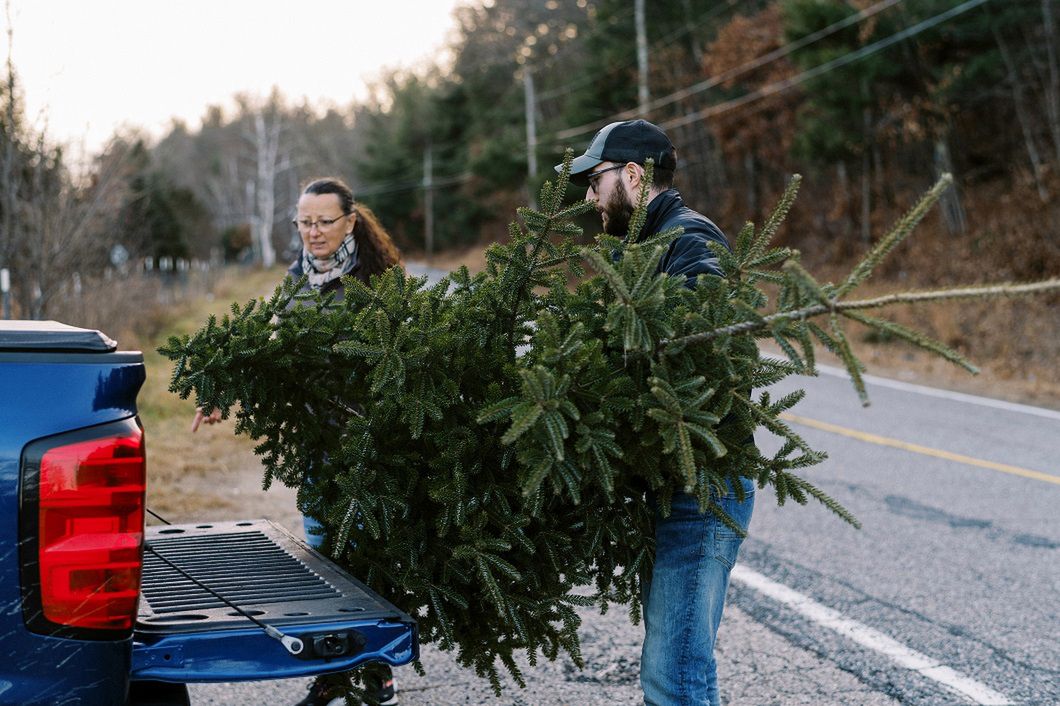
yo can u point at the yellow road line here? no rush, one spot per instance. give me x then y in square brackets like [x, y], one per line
[916, 448]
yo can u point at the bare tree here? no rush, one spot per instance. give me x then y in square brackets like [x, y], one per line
[270, 161]
[1022, 113]
[250, 157]
[63, 225]
[54, 225]
[9, 151]
[1052, 85]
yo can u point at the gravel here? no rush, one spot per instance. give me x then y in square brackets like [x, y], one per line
[756, 668]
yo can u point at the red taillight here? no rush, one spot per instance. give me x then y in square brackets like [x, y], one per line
[91, 523]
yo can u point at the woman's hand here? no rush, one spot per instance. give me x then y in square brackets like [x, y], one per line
[213, 417]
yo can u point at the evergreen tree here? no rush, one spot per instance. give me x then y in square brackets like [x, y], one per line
[914, 89]
[481, 447]
[158, 218]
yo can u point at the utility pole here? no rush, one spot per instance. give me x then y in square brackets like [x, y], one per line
[531, 130]
[642, 59]
[428, 201]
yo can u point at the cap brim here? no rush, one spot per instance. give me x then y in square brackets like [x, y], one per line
[579, 168]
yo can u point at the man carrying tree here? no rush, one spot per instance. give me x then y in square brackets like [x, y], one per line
[684, 594]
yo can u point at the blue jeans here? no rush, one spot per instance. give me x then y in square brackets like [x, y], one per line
[314, 532]
[684, 598]
[316, 535]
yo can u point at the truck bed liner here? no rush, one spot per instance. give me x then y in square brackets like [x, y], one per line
[186, 633]
[255, 564]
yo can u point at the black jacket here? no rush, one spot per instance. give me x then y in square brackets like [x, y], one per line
[689, 254]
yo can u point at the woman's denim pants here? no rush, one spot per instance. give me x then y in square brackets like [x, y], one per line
[694, 553]
[314, 532]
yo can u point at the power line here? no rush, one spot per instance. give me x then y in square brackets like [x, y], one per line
[713, 81]
[776, 54]
[615, 68]
[411, 185]
[764, 92]
[781, 86]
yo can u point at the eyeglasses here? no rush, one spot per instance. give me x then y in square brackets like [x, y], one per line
[591, 177]
[304, 224]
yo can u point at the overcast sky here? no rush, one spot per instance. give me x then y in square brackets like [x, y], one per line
[89, 66]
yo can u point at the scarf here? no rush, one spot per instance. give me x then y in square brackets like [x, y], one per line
[339, 263]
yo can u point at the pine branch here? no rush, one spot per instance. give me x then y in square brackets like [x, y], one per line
[543, 224]
[895, 236]
[780, 212]
[915, 297]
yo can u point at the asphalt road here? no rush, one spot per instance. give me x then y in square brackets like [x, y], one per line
[958, 557]
[947, 595]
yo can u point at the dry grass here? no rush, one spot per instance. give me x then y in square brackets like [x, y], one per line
[1015, 342]
[212, 474]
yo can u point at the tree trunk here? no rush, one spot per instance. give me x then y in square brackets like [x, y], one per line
[866, 165]
[1016, 86]
[750, 175]
[643, 94]
[718, 176]
[1052, 90]
[267, 142]
[866, 200]
[950, 201]
[866, 190]
[252, 220]
[8, 157]
[701, 178]
[884, 194]
[843, 202]
[428, 201]
[690, 25]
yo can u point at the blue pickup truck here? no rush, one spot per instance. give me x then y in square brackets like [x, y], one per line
[98, 609]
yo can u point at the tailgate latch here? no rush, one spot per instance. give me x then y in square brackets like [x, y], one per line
[330, 645]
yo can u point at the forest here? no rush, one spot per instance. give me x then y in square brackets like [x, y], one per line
[869, 101]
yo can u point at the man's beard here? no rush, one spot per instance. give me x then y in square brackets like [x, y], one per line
[617, 213]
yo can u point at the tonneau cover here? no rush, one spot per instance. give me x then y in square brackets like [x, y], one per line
[53, 337]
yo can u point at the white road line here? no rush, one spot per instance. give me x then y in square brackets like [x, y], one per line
[945, 394]
[871, 638]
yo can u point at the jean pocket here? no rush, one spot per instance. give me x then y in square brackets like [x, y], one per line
[726, 540]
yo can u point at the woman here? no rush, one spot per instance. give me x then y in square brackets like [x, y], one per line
[339, 237]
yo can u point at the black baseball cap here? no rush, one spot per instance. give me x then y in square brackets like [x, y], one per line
[626, 141]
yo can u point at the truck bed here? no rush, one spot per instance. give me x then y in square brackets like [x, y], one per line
[186, 633]
[73, 467]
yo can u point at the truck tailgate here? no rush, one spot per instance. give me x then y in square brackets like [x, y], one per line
[186, 633]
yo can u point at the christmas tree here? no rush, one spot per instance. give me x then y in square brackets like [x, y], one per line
[480, 448]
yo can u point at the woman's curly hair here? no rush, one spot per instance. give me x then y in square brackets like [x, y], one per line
[376, 251]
